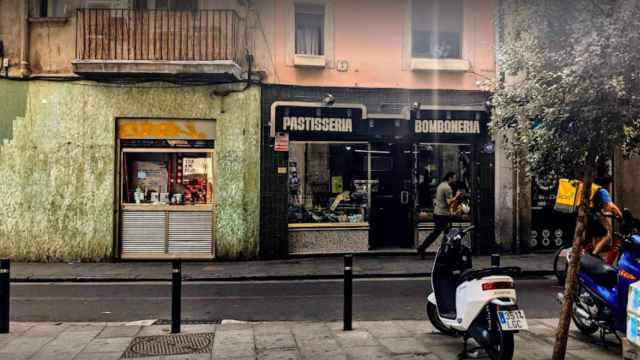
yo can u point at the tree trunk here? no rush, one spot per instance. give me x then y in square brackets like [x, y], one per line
[562, 333]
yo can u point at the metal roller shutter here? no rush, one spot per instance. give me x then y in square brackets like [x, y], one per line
[191, 232]
[143, 231]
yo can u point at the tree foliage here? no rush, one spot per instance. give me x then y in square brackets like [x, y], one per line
[572, 95]
[572, 86]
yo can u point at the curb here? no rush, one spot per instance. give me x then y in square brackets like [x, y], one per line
[525, 274]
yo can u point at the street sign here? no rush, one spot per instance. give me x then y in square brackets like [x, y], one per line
[282, 142]
[316, 122]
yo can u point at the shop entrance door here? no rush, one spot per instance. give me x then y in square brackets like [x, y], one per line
[391, 219]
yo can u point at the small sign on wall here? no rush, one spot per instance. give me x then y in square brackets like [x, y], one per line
[282, 142]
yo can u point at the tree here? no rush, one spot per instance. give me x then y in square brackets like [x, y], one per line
[571, 96]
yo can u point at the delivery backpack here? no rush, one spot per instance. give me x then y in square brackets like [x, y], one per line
[569, 196]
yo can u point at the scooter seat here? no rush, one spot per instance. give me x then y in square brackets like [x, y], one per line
[600, 272]
[469, 275]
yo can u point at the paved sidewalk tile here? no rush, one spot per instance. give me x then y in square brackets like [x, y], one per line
[119, 331]
[368, 353]
[98, 356]
[272, 328]
[24, 347]
[65, 346]
[274, 341]
[233, 350]
[416, 357]
[45, 330]
[355, 338]
[381, 340]
[181, 357]
[279, 354]
[384, 329]
[108, 345]
[198, 329]
[233, 337]
[154, 330]
[446, 352]
[18, 328]
[321, 349]
[7, 338]
[403, 345]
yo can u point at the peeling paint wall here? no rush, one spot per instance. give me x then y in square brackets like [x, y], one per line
[57, 174]
[13, 102]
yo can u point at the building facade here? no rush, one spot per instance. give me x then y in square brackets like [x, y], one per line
[154, 129]
[367, 106]
[129, 130]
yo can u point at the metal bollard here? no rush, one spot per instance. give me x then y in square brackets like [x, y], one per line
[176, 296]
[348, 292]
[495, 260]
[5, 294]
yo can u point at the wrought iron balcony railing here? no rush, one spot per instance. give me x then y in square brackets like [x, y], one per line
[157, 35]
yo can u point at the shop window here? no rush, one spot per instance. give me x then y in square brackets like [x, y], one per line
[309, 26]
[107, 4]
[437, 29]
[329, 183]
[167, 178]
[434, 162]
[175, 5]
[48, 8]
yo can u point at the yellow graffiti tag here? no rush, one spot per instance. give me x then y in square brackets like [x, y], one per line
[153, 129]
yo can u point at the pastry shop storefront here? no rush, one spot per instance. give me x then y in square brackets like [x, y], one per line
[344, 179]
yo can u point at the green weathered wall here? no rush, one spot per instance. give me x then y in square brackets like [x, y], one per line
[57, 174]
[13, 100]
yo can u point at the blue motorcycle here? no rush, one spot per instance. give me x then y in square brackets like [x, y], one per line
[602, 290]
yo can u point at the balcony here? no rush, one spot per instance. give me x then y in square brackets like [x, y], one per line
[165, 43]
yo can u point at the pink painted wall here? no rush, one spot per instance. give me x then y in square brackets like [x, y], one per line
[371, 35]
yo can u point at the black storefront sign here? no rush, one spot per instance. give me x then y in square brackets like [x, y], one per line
[320, 123]
[461, 126]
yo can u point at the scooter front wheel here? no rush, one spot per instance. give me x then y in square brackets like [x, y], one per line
[432, 314]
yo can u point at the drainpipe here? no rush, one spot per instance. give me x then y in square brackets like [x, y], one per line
[25, 70]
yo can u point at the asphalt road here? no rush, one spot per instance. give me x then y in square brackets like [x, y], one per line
[380, 299]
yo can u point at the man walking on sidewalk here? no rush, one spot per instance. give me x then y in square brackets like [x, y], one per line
[441, 212]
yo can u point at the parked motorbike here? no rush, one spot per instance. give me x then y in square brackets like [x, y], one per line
[477, 304]
[602, 290]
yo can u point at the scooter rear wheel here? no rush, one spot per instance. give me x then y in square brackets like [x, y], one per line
[432, 314]
[504, 349]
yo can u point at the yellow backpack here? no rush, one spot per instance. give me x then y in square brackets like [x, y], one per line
[569, 196]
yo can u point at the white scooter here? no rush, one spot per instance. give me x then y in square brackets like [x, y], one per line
[478, 304]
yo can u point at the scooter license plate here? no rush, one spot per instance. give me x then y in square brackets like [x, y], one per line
[512, 320]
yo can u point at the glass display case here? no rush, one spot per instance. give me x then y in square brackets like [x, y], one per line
[328, 183]
[167, 177]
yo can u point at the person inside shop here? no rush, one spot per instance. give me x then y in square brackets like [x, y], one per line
[443, 204]
[600, 224]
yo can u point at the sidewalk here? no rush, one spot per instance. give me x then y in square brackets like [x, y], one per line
[325, 267]
[392, 340]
